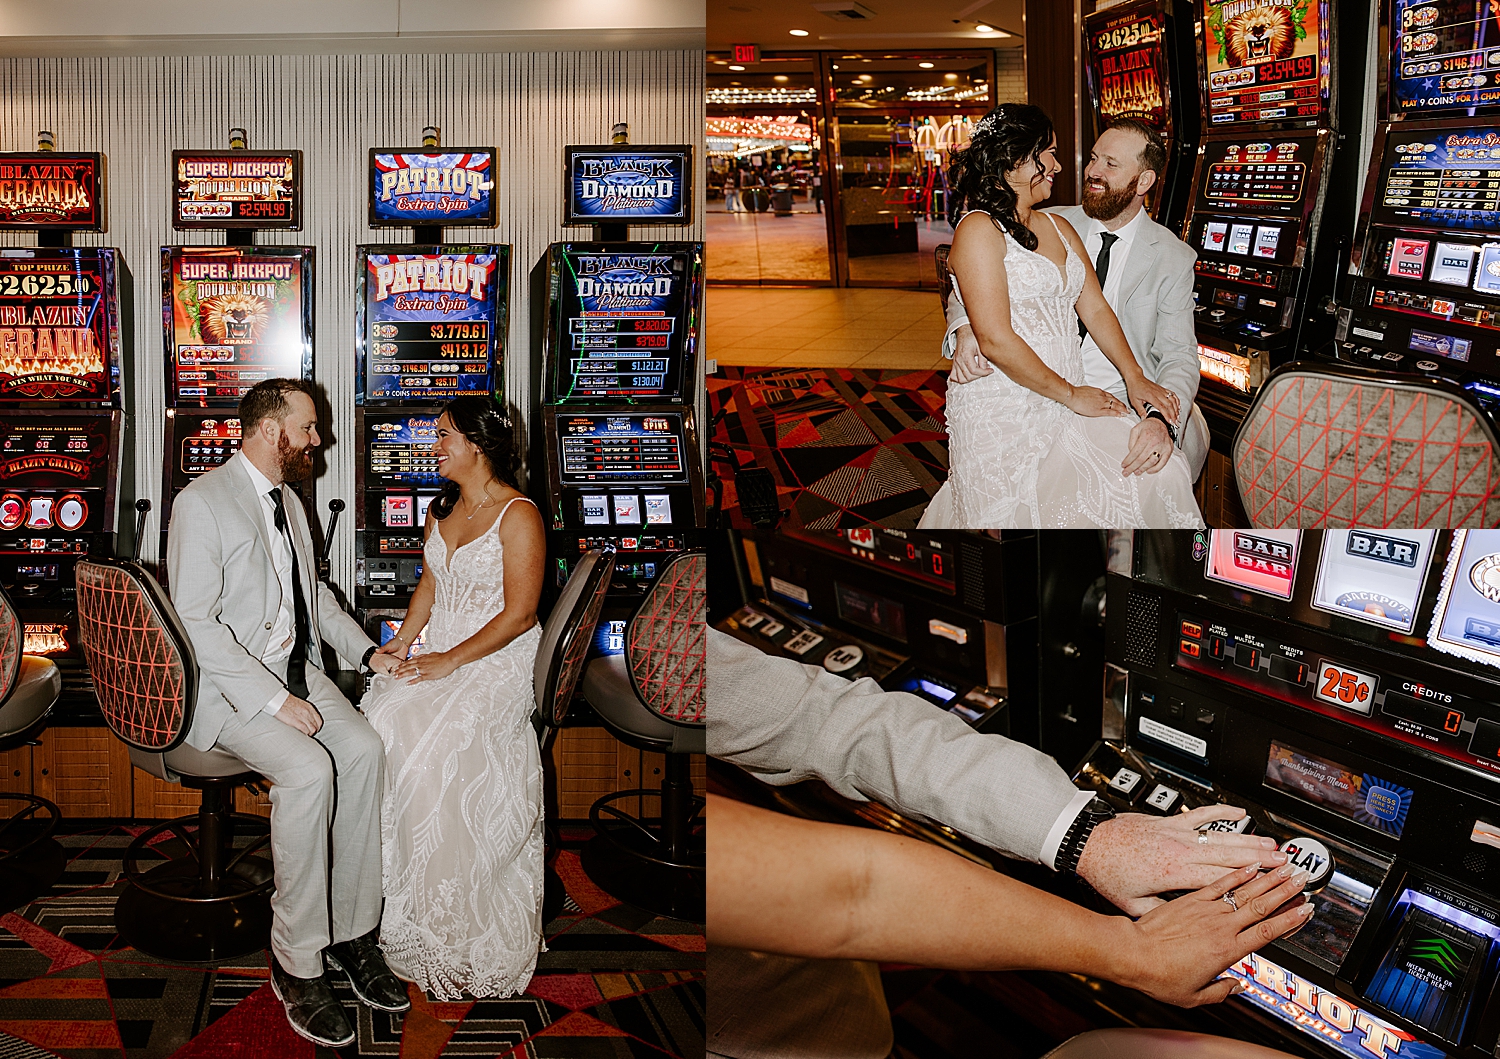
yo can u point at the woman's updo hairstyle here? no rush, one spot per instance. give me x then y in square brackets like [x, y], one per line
[1007, 138]
[480, 420]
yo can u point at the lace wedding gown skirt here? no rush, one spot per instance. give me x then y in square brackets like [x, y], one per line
[461, 823]
[1018, 460]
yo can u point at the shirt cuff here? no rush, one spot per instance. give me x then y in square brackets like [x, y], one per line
[279, 700]
[1060, 827]
[950, 344]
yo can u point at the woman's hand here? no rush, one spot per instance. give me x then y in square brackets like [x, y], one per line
[1092, 401]
[1180, 948]
[1144, 392]
[394, 646]
[434, 666]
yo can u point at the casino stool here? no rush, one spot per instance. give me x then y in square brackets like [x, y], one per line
[208, 901]
[1333, 444]
[652, 697]
[1158, 1044]
[30, 859]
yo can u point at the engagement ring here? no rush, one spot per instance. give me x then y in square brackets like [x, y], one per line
[1229, 898]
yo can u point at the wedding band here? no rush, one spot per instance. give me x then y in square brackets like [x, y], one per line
[1202, 838]
[1229, 898]
[419, 670]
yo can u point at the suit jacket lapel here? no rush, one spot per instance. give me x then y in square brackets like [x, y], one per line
[1141, 260]
[249, 501]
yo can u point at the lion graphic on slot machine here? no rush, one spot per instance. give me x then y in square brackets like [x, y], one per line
[232, 319]
[1267, 31]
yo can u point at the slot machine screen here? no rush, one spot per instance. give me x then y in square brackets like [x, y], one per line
[1466, 620]
[398, 451]
[1374, 577]
[236, 189]
[1265, 62]
[438, 187]
[55, 471]
[390, 628]
[1351, 793]
[1443, 55]
[1264, 561]
[1442, 178]
[201, 443]
[625, 323]
[233, 317]
[628, 184]
[604, 449]
[432, 322]
[1127, 64]
[58, 331]
[50, 190]
[1270, 175]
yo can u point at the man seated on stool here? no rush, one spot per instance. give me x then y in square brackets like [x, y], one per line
[1147, 276]
[243, 579]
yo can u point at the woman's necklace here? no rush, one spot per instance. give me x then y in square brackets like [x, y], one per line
[482, 504]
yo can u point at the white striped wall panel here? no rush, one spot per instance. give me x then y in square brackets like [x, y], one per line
[138, 109]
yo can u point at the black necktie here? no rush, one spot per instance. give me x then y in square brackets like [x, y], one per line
[1101, 267]
[296, 665]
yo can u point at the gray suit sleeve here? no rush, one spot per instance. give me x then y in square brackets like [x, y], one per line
[338, 629]
[786, 722]
[195, 567]
[1176, 344]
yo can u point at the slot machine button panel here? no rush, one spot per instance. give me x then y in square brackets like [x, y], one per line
[1125, 781]
[1190, 648]
[1288, 669]
[1246, 657]
[1230, 827]
[1311, 856]
[1163, 799]
[846, 659]
[1192, 630]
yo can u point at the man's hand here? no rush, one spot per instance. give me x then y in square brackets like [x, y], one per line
[304, 716]
[1177, 952]
[968, 363]
[1150, 448]
[384, 663]
[1133, 857]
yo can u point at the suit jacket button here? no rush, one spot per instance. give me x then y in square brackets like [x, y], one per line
[233, 707]
[268, 626]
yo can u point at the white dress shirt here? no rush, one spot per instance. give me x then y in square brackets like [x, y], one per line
[1097, 370]
[283, 630]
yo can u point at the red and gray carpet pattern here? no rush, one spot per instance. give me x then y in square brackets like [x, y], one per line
[615, 983]
[847, 447]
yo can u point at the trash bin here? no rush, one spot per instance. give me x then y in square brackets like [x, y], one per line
[756, 199]
[781, 199]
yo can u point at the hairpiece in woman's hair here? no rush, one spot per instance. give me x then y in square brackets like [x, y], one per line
[988, 122]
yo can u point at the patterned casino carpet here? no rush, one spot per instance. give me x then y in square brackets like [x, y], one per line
[616, 982]
[847, 447]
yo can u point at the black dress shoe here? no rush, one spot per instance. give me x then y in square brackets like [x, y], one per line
[311, 1008]
[373, 982]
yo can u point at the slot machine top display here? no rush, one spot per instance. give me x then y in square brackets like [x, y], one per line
[1264, 62]
[452, 186]
[622, 322]
[60, 335]
[46, 189]
[216, 190]
[628, 184]
[1127, 65]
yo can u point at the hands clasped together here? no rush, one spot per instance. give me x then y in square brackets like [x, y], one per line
[432, 665]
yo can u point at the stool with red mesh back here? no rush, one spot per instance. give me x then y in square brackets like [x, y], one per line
[30, 860]
[1329, 444]
[651, 697]
[203, 899]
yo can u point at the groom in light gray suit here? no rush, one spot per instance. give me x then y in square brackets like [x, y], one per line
[243, 579]
[1147, 281]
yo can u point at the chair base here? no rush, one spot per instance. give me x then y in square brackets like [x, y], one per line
[171, 912]
[30, 859]
[628, 860]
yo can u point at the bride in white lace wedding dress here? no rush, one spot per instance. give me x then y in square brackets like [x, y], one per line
[1030, 446]
[461, 821]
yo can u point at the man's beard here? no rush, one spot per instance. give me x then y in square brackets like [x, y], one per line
[1107, 205]
[296, 464]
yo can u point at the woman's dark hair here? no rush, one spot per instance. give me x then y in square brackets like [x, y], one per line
[1007, 137]
[480, 420]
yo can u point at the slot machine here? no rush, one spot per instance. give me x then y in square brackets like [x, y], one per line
[1423, 290]
[1341, 686]
[66, 477]
[1275, 174]
[1140, 58]
[431, 325]
[950, 617]
[616, 458]
[232, 315]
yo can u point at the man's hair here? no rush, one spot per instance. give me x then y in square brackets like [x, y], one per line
[1154, 154]
[267, 400]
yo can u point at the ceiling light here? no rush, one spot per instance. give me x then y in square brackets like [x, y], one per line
[779, 77]
[798, 32]
[864, 77]
[982, 28]
[835, 66]
[951, 77]
[738, 69]
[721, 62]
[925, 66]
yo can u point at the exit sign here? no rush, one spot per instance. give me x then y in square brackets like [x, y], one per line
[747, 53]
